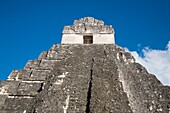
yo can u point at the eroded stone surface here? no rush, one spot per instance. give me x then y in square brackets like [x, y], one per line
[88, 30]
[88, 25]
[83, 79]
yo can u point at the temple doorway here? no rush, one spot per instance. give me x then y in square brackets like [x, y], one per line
[87, 39]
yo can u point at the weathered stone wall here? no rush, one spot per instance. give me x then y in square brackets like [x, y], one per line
[83, 79]
[97, 39]
[88, 26]
[103, 39]
[72, 39]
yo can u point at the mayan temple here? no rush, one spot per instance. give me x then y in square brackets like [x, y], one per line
[86, 73]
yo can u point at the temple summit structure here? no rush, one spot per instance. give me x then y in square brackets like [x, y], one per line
[88, 31]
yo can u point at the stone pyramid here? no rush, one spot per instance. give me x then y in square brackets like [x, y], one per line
[83, 78]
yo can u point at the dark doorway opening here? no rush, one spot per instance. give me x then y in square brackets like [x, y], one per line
[88, 39]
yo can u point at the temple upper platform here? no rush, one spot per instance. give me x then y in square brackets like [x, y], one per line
[88, 30]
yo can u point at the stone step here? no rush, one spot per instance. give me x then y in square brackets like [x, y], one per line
[20, 87]
[33, 74]
[28, 88]
[32, 64]
[13, 111]
[17, 103]
[43, 55]
[8, 87]
[19, 74]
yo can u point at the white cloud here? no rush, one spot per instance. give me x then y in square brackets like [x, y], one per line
[156, 62]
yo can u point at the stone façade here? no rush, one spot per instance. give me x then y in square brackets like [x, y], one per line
[88, 27]
[83, 79]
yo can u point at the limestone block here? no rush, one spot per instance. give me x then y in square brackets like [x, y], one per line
[2, 100]
[91, 20]
[23, 74]
[76, 22]
[69, 29]
[39, 74]
[47, 64]
[128, 57]
[17, 103]
[8, 87]
[32, 64]
[109, 29]
[43, 55]
[100, 23]
[13, 111]
[19, 74]
[13, 75]
[28, 89]
[66, 29]
[52, 55]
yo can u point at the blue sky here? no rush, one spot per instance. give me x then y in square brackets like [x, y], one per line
[28, 27]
